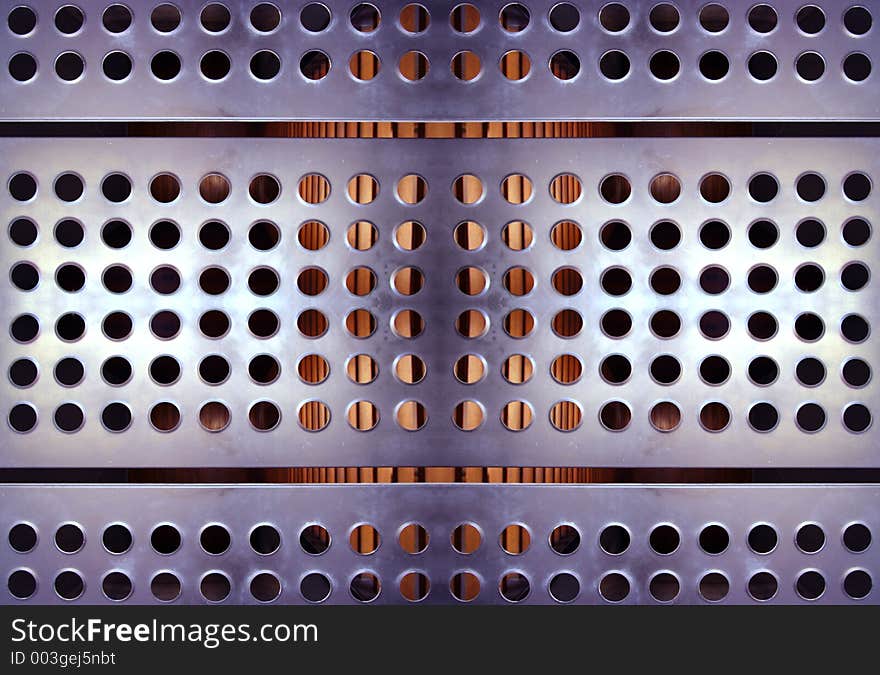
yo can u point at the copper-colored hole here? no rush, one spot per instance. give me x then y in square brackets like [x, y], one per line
[364, 539]
[517, 369]
[364, 65]
[414, 18]
[469, 235]
[517, 235]
[567, 323]
[516, 415]
[414, 586]
[714, 188]
[467, 416]
[360, 323]
[471, 280]
[566, 235]
[410, 369]
[314, 415]
[165, 188]
[408, 280]
[515, 539]
[615, 415]
[362, 235]
[362, 368]
[464, 586]
[566, 188]
[466, 65]
[412, 189]
[362, 188]
[312, 281]
[165, 416]
[214, 416]
[516, 188]
[465, 18]
[314, 188]
[665, 188]
[214, 188]
[411, 415]
[466, 538]
[313, 369]
[360, 281]
[313, 235]
[566, 369]
[469, 369]
[714, 416]
[665, 416]
[467, 188]
[312, 323]
[566, 415]
[408, 323]
[471, 323]
[567, 281]
[264, 415]
[515, 65]
[413, 538]
[410, 235]
[413, 65]
[518, 323]
[519, 281]
[363, 415]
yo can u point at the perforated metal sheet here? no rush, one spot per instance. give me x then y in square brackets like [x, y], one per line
[821, 531]
[843, 50]
[624, 434]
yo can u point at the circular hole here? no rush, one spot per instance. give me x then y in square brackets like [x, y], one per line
[265, 17]
[856, 372]
[265, 539]
[857, 537]
[762, 538]
[714, 65]
[314, 188]
[467, 415]
[406, 281]
[714, 280]
[360, 323]
[665, 280]
[665, 188]
[69, 233]
[516, 188]
[515, 65]
[314, 17]
[311, 323]
[165, 416]
[215, 587]
[810, 233]
[614, 64]
[514, 17]
[69, 417]
[313, 235]
[810, 538]
[464, 18]
[565, 65]
[464, 586]
[665, 416]
[71, 326]
[714, 18]
[854, 328]
[664, 65]
[116, 586]
[763, 417]
[364, 65]
[264, 415]
[69, 538]
[714, 587]
[118, 325]
[810, 372]
[517, 281]
[22, 20]
[165, 539]
[116, 417]
[614, 235]
[468, 234]
[411, 189]
[763, 233]
[615, 369]
[364, 539]
[265, 65]
[408, 323]
[763, 66]
[365, 587]
[664, 539]
[613, 17]
[314, 539]
[165, 235]
[69, 19]
[857, 20]
[665, 369]
[614, 539]
[763, 187]
[69, 585]
[565, 188]
[470, 369]
[314, 65]
[116, 66]
[165, 65]
[810, 187]
[665, 235]
[664, 17]
[810, 417]
[565, 17]
[616, 281]
[414, 18]
[466, 538]
[565, 369]
[69, 277]
[615, 415]
[265, 587]
[664, 587]
[714, 416]
[466, 65]
[22, 417]
[413, 538]
[809, 277]
[714, 235]
[215, 539]
[854, 276]
[364, 17]
[410, 369]
[516, 415]
[614, 587]
[22, 67]
[215, 65]
[411, 415]
[264, 235]
[517, 235]
[809, 327]
[714, 539]
[164, 370]
[519, 323]
[857, 584]
[763, 586]
[25, 277]
[362, 369]
[856, 418]
[69, 187]
[615, 189]
[665, 324]
[810, 585]
[714, 325]
[214, 188]
[856, 232]
[467, 188]
[762, 18]
[165, 17]
[215, 324]
[214, 369]
[471, 323]
[215, 17]
[212, 280]
[763, 371]
[565, 539]
[214, 416]
[313, 281]
[810, 66]
[762, 279]
[616, 323]
[264, 189]
[23, 232]
[413, 65]
[564, 587]
[514, 539]
[314, 415]
[810, 19]
[116, 371]
[566, 415]
[363, 415]
[414, 586]
[263, 281]
[23, 372]
[714, 188]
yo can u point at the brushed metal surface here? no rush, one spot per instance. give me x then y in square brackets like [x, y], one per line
[440, 95]
[439, 441]
[440, 508]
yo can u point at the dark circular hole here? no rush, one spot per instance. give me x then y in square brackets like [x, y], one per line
[69, 538]
[215, 65]
[264, 369]
[763, 187]
[116, 538]
[116, 66]
[809, 277]
[810, 232]
[664, 587]
[665, 235]
[614, 539]
[763, 234]
[116, 234]
[856, 232]
[22, 232]
[763, 66]
[165, 324]
[810, 371]
[564, 587]
[314, 17]
[69, 187]
[22, 537]
[215, 17]
[565, 539]
[69, 233]
[23, 372]
[810, 417]
[69, 585]
[263, 281]
[856, 418]
[615, 369]
[164, 370]
[264, 416]
[810, 538]
[763, 586]
[616, 281]
[165, 18]
[565, 17]
[615, 235]
[22, 187]
[856, 537]
[714, 539]
[314, 539]
[22, 417]
[165, 280]
[69, 417]
[615, 189]
[810, 19]
[614, 65]
[215, 587]
[714, 65]
[714, 587]
[809, 327]
[763, 538]
[857, 584]
[116, 325]
[714, 324]
[763, 417]
[116, 586]
[811, 187]
[314, 65]
[664, 65]
[664, 17]
[565, 65]
[116, 417]
[69, 66]
[116, 279]
[263, 323]
[714, 188]
[165, 65]
[265, 539]
[116, 187]
[762, 18]
[25, 276]
[665, 369]
[214, 323]
[265, 587]
[265, 17]
[855, 328]
[69, 372]
[70, 327]
[165, 586]
[856, 372]
[116, 18]
[214, 235]
[22, 20]
[854, 276]
[665, 323]
[616, 323]
[714, 234]
[857, 20]
[714, 416]
[810, 585]
[165, 539]
[714, 280]
[615, 415]
[315, 587]
[264, 235]
[214, 369]
[215, 539]
[69, 19]
[614, 587]
[514, 587]
[22, 67]
[70, 278]
[364, 17]
[164, 235]
[810, 66]
[762, 279]
[714, 370]
[714, 18]
[265, 65]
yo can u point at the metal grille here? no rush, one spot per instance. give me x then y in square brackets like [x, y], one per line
[394, 60]
[440, 544]
[593, 303]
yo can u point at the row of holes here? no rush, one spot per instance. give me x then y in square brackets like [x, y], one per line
[517, 235]
[472, 323]
[565, 369]
[514, 17]
[515, 65]
[411, 415]
[471, 281]
[465, 586]
[468, 189]
[514, 539]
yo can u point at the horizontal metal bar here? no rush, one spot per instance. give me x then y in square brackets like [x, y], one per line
[587, 60]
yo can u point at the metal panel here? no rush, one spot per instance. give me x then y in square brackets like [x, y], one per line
[439, 302]
[781, 38]
[840, 522]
